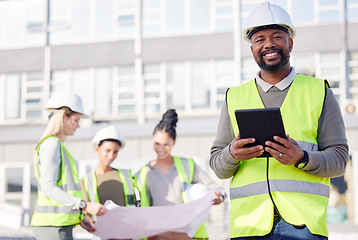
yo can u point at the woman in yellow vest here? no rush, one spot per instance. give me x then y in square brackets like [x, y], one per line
[59, 205]
[162, 181]
[105, 182]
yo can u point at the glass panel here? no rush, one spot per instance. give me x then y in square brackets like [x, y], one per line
[224, 24]
[353, 56]
[352, 1]
[176, 86]
[305, 64]
[328, 2]
[329, 16]
[200, 14]
[352, 13]
[126, 109]
[59, 80]
[103, 91]
[330, 58]
[303, 11]
[12, 96]
[223, 10]
[200, 92]
[81, 86]
[354, 70]
[125, 18]
[104, 19]
[13, 24]
[175, 16]
[327, 72]
[80, 25]
[151, 68]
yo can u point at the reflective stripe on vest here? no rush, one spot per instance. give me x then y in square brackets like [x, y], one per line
[301, 198]
[49, 212]
[90, 184]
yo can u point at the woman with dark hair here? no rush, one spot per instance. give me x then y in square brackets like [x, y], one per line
[164, 180]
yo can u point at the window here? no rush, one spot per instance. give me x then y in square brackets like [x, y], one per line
[331, 70]
[303, 11]
[200, 15]
[12, 98]
[175, 16]
[329, 11]
[305, 63]
[124, 98]
[152, 89]
[201, 85]
[125, 18]
[223, 15]
[151, 18]
[104, 16]
[33, 95]
[176, 79]
[103, 92]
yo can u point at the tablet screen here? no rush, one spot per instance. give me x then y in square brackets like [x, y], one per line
[262, 124]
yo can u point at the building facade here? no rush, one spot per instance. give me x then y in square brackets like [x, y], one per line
[131, 60]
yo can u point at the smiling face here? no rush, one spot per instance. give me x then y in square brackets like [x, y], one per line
[271, 49]
[71, 123]
[163, 144]
[107, 152]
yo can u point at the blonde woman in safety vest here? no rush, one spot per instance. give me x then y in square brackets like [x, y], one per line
[283, 196]
[105, 182]
[163, 181]
[60, 203]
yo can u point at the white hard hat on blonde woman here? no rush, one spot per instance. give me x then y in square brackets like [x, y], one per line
[65, 99]
[268, 16]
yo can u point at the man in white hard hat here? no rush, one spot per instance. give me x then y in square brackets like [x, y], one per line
[284, 196]
[105, 182]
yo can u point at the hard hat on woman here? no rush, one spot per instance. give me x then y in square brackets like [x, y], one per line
[108, 133]
[268, 16]
[65, 99]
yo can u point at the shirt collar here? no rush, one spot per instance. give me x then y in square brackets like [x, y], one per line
[282, 85]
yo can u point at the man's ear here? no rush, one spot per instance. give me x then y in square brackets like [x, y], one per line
[251, 48]
[290, 44]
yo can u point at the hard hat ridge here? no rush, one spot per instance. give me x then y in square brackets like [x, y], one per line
[268, 16]
[65, 99]
[108, 133]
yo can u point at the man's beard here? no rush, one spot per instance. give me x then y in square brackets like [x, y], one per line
[275, 67]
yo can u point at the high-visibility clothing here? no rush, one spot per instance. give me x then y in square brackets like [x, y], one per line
[185, 173]
[301, 198]
[90, 184]
[49, 212]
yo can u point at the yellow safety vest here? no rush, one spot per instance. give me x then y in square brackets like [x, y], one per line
[301, 198]
[90, 184]
[49, 212]
[186, 175]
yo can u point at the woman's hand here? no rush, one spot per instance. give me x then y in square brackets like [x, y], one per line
[96, 209]
[87, 223]
[219, 198]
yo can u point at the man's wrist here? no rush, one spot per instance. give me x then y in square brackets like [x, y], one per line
[302, 163]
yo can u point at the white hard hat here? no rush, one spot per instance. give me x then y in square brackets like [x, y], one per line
[65, 99]
[268, 16]
[106, 133]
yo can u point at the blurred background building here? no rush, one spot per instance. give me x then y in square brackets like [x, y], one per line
[131, 60]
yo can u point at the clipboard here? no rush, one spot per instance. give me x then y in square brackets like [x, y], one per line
[262, 124]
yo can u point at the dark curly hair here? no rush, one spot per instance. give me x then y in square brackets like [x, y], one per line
[168, 123]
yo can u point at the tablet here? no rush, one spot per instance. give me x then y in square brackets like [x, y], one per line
[262, 124]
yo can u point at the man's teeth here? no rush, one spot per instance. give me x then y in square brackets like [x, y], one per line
[271, 54]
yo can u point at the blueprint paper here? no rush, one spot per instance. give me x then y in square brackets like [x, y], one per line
[143, 222]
